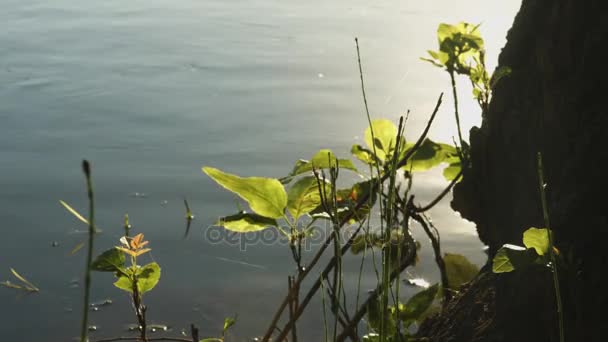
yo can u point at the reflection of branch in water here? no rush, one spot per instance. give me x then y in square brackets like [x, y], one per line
[189, 218]
[188, 224]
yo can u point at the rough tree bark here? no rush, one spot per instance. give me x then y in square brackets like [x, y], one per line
[553, 102]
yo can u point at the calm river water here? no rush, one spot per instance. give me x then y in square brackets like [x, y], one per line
[150, 91]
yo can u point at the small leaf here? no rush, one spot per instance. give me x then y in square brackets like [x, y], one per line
[73, 212]
[147, 277]
[77, 248]
[452, 171]
[246, 222]
[511, 257]
[229, 322]
[266, 196]
[109, 261]
[324, 159]
[30, 286]
[385, 135]
[124, 283]
[537, 238]
[363, 154]
[459, 270]
[419, 303]
[303, 197]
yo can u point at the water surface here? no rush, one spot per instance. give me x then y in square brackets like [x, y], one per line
[150, 91]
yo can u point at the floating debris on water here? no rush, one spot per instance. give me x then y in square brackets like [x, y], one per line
[92, 328]
[164, 203]
[138, 195]
[74, 283]
[158, 328]
[54, 244]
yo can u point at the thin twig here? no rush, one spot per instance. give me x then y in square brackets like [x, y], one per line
[440, 196]
[438, 258]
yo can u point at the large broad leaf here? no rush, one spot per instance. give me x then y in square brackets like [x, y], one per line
[111, 260]
[385, 135]
[266, 196]
[537, 238]
[324, 159]
[459, 270]
[147, 278]
[511, 257]
[303, 196]
[246, 222]
[419, 303]
[429, 155]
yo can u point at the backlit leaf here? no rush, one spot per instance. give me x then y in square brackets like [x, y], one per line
[266, 196]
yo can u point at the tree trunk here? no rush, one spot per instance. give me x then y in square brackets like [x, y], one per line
[553, 102]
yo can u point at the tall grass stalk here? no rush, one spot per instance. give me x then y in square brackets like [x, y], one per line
[543, 197]
[86, 168]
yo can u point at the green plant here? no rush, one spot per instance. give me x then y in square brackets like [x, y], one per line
[134, 279]
[539, 250]
[25, 285]
[228, 323]
[461, 51]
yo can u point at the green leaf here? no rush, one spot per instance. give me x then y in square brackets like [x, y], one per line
[147, 277]
[459, 270]
[537, 238]
[511, 257]
[73, 212]
[452, 171]
[428, 155]
[229, 322]
[303, 197]
[385, 134]
[246, 222]
[111, 260]
[124, 283]
[266, 196]
[419, 303]
[363, 154]
[324, 159]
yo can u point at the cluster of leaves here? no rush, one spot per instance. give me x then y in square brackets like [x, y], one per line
[462, 51]
[113, 260]
[536, 252]
[273, 199]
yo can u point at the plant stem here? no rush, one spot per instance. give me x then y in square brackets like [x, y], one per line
[558, 297]
[86, 168]
[455, 96]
